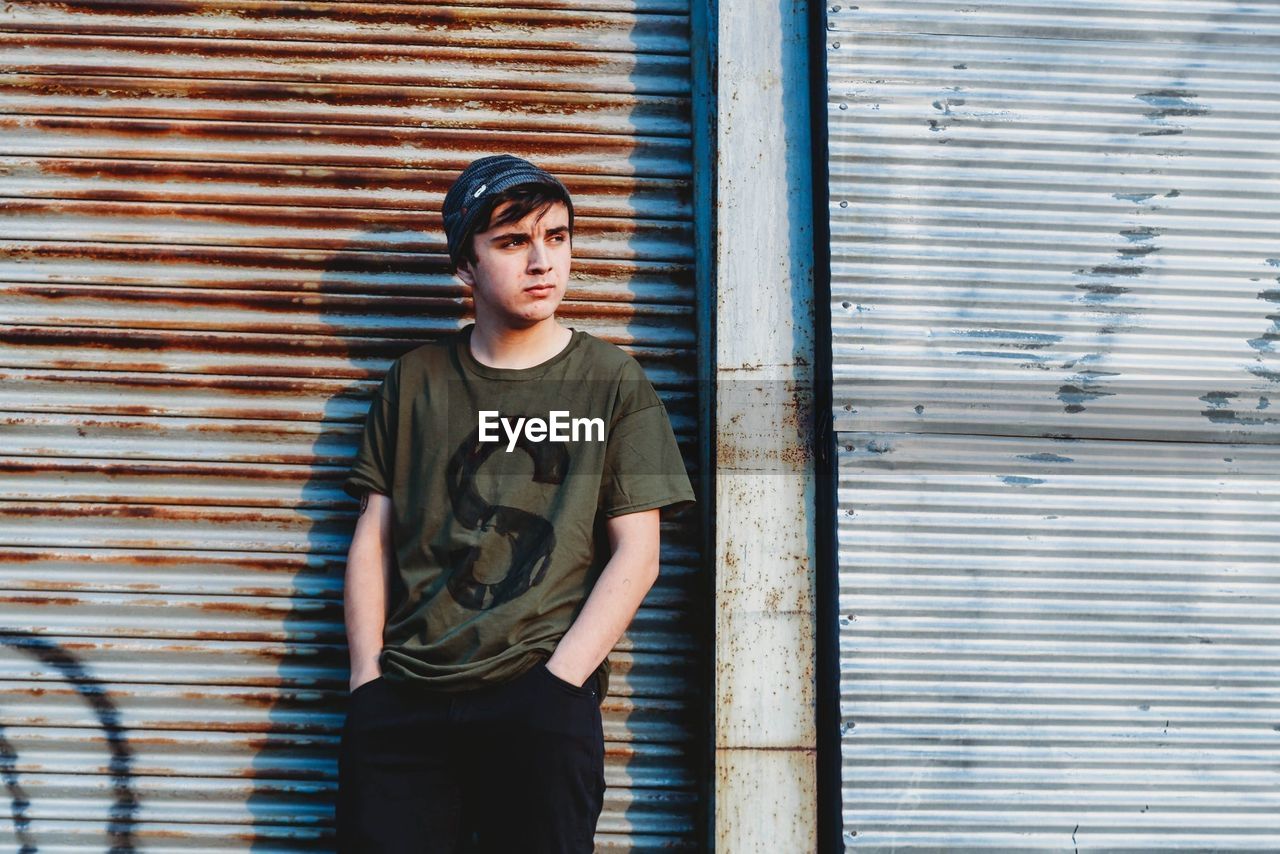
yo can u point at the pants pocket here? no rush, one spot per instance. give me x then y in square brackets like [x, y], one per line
[569, 687]
[363, 685]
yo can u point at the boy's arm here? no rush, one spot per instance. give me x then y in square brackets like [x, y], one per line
[364, 600]
[623, 583]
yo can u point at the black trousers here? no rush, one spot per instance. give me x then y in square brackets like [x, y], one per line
[516, 767]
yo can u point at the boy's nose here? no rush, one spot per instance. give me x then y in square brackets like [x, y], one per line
[539, 258]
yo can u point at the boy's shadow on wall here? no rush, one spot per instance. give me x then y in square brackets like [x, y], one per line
[383, 295]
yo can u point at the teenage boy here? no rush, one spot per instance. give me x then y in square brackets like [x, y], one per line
[510, 477]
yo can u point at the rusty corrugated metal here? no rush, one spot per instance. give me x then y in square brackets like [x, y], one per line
[1054, 291]
[220, 225]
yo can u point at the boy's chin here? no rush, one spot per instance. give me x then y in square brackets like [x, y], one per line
[531, 319]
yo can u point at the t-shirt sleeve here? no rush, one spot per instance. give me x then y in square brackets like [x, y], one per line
[643, 468]
[374, 463]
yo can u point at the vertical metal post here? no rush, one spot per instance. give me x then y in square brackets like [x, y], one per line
[766, 572]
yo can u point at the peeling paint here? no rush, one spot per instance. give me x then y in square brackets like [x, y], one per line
[1075, 396]
[1030, 340]
[1045, 457]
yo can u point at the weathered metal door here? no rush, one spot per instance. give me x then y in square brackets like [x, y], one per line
[1054, 298]
[220, 224]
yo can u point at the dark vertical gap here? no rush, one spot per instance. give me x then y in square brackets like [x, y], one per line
[829, 761]
[703, 52]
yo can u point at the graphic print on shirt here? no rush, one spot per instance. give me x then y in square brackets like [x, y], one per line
[531, 537]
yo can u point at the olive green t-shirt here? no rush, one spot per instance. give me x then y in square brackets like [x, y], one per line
[498, 521]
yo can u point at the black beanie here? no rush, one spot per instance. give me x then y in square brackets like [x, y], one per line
[479, 181]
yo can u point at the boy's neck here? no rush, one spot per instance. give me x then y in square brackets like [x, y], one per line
[504, 347]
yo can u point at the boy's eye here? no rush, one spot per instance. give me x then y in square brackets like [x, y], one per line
[516, 241]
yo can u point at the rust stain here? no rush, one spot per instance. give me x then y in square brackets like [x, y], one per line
[296, 607]
[292, 51]
[730, 454]
[463, 145]
[149, 469]
[335, 95]
[276, 564]
[110, 339]
[65, 601]
[409, 306]
[123, 425]
[414, 22]
[345, 179]
[140, 511]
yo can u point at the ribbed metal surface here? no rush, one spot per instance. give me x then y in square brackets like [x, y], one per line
[1065, 215]
[1054, 303]
[220, 225]
[1052, 643]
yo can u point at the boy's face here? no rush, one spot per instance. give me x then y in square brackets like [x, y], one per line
[514, 258]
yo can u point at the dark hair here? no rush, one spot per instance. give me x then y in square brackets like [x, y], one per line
[524, 198]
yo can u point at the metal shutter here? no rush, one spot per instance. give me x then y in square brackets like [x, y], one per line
[1054, 301]
[220, 224]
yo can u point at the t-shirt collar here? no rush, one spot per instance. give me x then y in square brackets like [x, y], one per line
[462, 351]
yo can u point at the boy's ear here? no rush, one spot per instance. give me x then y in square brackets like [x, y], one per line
[463, 271]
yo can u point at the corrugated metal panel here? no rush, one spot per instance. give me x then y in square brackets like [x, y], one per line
[1054, 289]
[1059, 643]
[220, 225]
